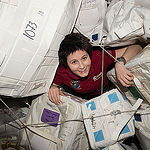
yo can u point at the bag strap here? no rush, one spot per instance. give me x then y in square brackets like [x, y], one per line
[124, 121]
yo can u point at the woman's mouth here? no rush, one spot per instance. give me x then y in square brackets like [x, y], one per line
[83, 71]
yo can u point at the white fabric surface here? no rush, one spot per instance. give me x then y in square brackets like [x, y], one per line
[127, 19]
[69, 135]
[30, 34]
[139, 65]
[108, 119]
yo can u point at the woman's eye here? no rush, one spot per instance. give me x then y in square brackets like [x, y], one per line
[73, 62]
[84, 58]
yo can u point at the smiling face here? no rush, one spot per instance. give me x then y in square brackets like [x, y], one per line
[79, 63]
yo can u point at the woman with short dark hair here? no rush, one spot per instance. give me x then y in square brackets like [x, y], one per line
[80, 67]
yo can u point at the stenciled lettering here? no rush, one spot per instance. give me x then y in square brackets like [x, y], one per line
[30, 30]
[93, 121]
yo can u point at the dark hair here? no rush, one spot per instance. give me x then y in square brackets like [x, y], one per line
[71, 43]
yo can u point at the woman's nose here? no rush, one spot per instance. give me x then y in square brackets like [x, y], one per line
[81, 64]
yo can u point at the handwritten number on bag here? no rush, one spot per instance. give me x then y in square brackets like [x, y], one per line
[30, 30]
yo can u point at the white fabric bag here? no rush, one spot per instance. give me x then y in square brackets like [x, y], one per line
[127, 19]
[139, 66]
[91, 18]
[63, 128]
[30, 35]
[143, 128]
[108, 119]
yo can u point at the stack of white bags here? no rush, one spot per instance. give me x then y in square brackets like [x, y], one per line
[31, 31]
[108, 120]
[139, 65]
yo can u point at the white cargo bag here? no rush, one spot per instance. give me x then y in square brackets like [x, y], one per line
[143, 128]
[139, 65]
[109, 118]
[91, 18]
[60, 127]
[127, 19]
[30, 35]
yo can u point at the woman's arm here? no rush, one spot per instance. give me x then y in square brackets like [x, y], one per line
[124, 75]
[128, 52]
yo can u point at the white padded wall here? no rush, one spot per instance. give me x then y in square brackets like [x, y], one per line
[30, 34]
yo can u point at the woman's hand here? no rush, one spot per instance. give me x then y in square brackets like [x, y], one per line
[123, 75]
[54, 94]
